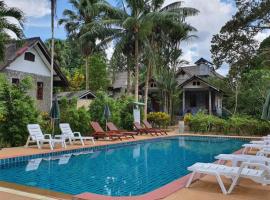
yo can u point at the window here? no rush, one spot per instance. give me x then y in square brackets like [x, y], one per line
[15, 81]
[29, 56]
[196, 83]
[39, 90]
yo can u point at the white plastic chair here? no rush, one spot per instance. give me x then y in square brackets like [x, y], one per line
[259, 175]
[73, 136]
[250, 146]
[36, 136]
[238, 158]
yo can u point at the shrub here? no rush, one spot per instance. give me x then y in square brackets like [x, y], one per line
[160, 119]
[243, 125]
[96, 109]
[17, 110]
[126, 112]
[78, 119]
[187, 118]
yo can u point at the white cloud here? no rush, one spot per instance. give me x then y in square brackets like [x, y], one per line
[31, 8]
[213, 15]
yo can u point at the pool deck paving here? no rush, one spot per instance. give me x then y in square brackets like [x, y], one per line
[204, 189]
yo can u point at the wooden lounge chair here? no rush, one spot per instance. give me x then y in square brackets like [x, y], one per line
[149, 126]
[100, 133]
[113, 128]
[141, 130]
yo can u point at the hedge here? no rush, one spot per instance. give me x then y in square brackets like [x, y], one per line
[237, 124]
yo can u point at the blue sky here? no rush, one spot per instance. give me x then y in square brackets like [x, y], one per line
[213, 15]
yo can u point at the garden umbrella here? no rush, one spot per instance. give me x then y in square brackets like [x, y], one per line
[106, 114]
[266, 108]
[55, 113]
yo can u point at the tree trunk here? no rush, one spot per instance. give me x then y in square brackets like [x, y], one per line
[236, 99]
[136, 67]
[165, 103]
[146, 89]
[86, 74]
[128, 76]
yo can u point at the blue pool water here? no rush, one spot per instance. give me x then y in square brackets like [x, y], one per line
[121, 170]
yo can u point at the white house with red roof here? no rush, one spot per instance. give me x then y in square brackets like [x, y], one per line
[32, 58]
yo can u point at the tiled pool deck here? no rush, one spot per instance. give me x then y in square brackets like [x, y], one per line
[205, 189]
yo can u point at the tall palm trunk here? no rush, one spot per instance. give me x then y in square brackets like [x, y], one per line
[53, 6]
[146, 88]
[86, 73]
[136, 66]
[128, 75]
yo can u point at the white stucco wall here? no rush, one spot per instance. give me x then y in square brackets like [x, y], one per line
[38, 67]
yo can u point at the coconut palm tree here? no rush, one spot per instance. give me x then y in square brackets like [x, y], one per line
[6, 25]
[169, 30]
[83, 24]
[53, 12]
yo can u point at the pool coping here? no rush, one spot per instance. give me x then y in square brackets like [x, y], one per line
[158, 193]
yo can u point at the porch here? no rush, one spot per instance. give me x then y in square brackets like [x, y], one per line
[194, 100]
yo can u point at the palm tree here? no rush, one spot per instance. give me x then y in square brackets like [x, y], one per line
[167, 83]
[53, 12]
[5, 25]
[83, 24]
[169, 29]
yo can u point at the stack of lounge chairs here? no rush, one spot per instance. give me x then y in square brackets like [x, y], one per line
[253, 167]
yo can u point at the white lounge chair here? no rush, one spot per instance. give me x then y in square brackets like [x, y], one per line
[259, 175]
[36, 136]
[239, 158]
[250, 146]
[73, 136]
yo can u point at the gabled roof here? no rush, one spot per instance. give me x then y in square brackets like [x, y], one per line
[75, 94]
[202, 60]
[202, 80]
[13, 51]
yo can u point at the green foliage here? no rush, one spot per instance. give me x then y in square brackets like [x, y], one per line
[98, 75]
[17, 110]
[255, 86]
[237, 124]
[126, 113]
[96, 109]
[160, 119]
[236, 40]
[121, 110]
[78, 118]
[7, 25]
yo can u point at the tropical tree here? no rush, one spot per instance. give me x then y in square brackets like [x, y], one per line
[236, 40]
[6, 25]
[53, 12]
[166, 80]
[169, 29]
[83, 24]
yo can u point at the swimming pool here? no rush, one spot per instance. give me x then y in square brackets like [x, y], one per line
[118, 170]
